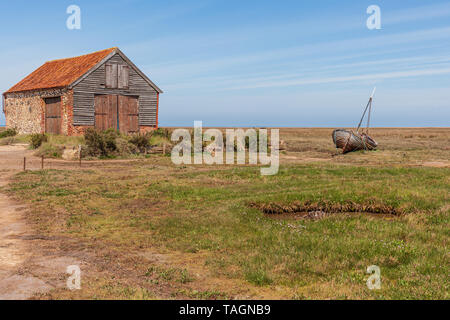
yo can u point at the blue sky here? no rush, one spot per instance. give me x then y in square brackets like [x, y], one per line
[254, 63]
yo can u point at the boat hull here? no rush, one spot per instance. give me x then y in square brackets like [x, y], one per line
[349, 141]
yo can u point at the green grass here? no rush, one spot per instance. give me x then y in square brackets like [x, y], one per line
[159, 141]
[181, 209]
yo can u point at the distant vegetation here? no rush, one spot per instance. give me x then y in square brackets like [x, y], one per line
[111, 143]
[8, 133]
[95, 144]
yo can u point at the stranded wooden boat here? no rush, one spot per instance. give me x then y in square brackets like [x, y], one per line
[349, 141]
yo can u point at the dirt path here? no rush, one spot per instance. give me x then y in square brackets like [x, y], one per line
[25, 268]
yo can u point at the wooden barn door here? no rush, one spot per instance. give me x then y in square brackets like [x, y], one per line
[53, 115]
[106, 112]
[128, 114]
[118, 112]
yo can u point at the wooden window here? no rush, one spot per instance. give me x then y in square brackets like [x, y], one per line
[124, 76]
[117, 76]
[111, 76]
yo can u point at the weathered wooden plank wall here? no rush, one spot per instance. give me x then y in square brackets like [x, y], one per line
[84, 95]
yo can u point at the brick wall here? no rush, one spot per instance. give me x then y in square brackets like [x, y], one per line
[145, 129]
[25, 111]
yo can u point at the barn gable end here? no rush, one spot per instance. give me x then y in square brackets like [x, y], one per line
[95, 83]
[76, 84]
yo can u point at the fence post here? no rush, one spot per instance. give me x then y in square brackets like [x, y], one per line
[24, 163]
[164, 148]
[79, 152]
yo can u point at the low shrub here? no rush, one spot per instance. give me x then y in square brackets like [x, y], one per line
[141, 141]
[125, 147]
[162, 132]
[8, 133]
[110, 136]
[101, 143]
[111, 143]
[37, 139]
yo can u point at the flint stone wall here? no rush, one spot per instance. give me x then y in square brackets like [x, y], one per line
[25, 111]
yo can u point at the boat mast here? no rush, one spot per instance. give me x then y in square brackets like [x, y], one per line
[368, 107]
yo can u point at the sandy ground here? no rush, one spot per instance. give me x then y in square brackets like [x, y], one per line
[26, 267]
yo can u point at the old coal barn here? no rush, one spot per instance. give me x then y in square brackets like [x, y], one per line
[101, 90]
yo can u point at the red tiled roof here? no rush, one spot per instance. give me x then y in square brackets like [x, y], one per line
[60, 73]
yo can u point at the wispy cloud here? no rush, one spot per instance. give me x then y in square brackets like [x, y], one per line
[371, 77]
[317, 63]
[427, 12]
[195, 66]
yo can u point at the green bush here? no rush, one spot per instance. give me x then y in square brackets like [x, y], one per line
[141, 141]
[111, 143]
[125, 147]
[161, 132]
[8, 133]
[101, 143]
[37, 139]
[110, 137]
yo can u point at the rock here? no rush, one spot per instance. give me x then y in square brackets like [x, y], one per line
[71, 154]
